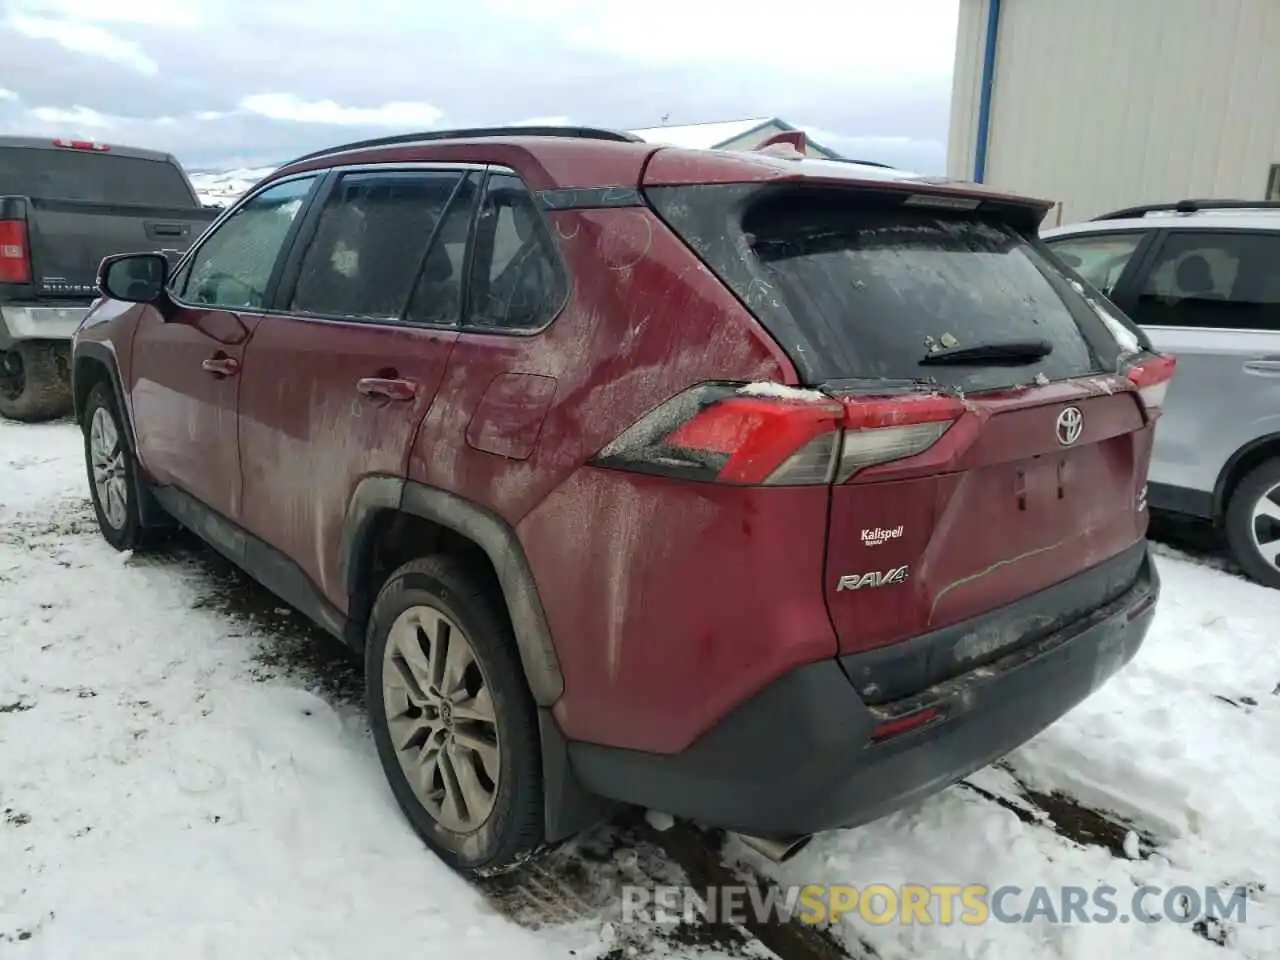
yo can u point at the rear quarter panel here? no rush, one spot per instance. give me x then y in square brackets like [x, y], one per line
[659, 620]
[644, 321]
[1214, 405]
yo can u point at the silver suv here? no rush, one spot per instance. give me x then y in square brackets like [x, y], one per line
[1201, 278]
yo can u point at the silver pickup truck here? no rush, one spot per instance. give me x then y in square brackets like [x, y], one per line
[64, 205]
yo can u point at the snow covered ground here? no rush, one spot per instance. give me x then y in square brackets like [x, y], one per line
[187, 773]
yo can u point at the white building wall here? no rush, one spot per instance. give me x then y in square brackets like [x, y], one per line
[966, 88]
[1103, 104]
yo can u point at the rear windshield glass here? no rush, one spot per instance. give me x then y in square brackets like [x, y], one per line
[857, 289]
[66, 174]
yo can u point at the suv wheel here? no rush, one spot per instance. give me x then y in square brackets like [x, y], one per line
[112, 472]
[34, 384]
[1253, 523]
[453, 719]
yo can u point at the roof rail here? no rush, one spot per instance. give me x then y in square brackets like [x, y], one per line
[1189, 206]
[472, 133]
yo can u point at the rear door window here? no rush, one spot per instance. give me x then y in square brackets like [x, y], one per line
[369, 247]
[864, 290]
[1222, 281]
[517, 280]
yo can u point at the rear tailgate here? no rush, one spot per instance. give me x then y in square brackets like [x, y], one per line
[68, 239]
[999, 508]
[67, 204]
[992, 446]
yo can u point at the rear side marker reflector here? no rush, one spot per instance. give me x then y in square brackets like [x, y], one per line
[1141, 608]
[724, 433]
[887, 729]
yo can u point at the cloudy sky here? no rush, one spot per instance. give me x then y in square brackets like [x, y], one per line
[224, 83]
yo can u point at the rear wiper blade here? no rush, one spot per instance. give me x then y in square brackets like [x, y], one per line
[1011, 352]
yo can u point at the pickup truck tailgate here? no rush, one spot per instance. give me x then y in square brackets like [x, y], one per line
[69, 238]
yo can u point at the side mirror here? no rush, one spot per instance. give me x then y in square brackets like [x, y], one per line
[134, 277]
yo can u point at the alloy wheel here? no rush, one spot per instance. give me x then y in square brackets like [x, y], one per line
[106, 457]
[441, 718]
[1264, 525]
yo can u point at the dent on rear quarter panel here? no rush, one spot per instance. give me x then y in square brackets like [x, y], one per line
[673, 602]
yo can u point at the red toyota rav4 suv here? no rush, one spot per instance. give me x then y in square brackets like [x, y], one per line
[766, 491]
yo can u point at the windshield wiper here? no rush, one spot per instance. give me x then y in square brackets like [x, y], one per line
[1010, 352]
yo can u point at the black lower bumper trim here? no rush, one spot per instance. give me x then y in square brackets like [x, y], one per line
[898, 670]
[799, 757]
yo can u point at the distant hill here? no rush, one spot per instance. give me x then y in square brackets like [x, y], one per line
[223, 187]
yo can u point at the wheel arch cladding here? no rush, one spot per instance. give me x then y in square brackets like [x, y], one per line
[92, 364]
[376, 495]
[95, 363]
[1252, 455]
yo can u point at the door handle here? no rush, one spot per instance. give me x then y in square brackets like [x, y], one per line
[1264, 366]
[391, 388]
[221, 366]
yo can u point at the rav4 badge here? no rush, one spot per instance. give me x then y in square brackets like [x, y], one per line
[873, 578]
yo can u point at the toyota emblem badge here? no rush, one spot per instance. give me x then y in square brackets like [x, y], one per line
[1070, 423]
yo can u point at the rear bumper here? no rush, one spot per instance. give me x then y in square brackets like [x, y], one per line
[40, 323]
[800, 757]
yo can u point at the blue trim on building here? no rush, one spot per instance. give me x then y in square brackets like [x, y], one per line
[984, 94]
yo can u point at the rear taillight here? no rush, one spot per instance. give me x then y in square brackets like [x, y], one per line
[15, 254]
[777, 436]
[1152, 377]
[891, 428]
[716, 433]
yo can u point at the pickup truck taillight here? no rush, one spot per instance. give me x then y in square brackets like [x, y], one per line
[15, 255]
[82, 145]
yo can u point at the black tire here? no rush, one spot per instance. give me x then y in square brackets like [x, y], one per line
[130, 534]
[513, 831]
[35, 384]
[1239, 522]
